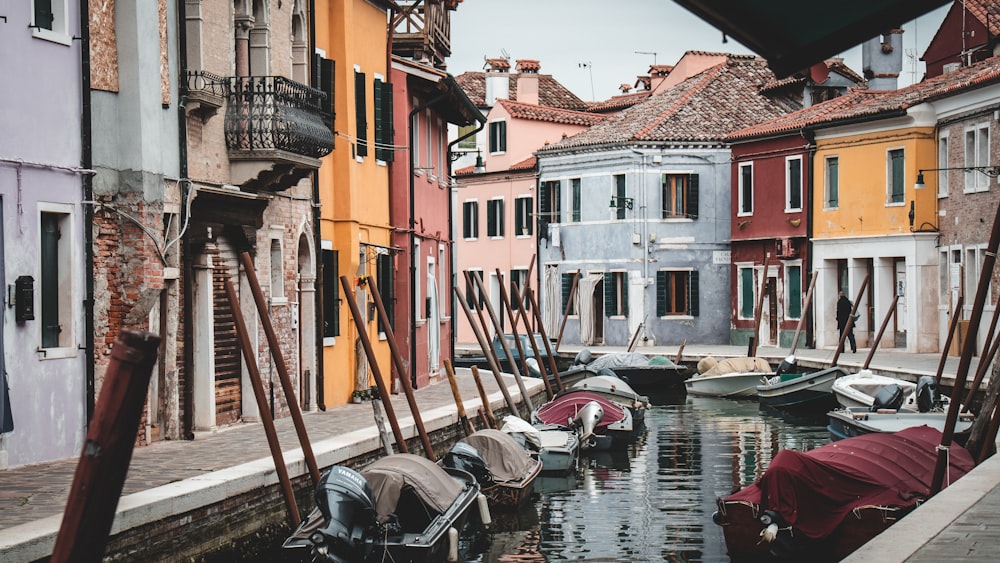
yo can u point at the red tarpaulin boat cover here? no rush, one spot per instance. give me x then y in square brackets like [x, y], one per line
[566, 406]
[814, 491]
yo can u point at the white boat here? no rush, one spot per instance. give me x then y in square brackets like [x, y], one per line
[615, 389]
[558, 448]
[859, 389]
[732, 378]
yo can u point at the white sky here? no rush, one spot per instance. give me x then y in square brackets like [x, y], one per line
[563, 34]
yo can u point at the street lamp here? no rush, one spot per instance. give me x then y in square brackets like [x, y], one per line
[618, 201]
[991, 171]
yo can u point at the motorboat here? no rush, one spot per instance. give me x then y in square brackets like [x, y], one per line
[732, 378]
[823, 504]
[887, 413]
[643, 373]
[614, 388]
[800, 392]
[601, 422]
[402, 507]
[557, 447]
[859, 389]
[505, 471]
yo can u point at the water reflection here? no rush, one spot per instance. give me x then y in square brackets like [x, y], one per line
[653, 501]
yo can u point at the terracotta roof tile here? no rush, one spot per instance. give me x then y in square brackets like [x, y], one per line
[620, 102]
[553, 115]
[986, 11]
[550, 92]
[869, 103]
[527, 164]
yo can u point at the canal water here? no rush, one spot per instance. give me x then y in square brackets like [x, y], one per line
[653, 502]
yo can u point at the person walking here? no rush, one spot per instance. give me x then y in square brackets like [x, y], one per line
[844, 308]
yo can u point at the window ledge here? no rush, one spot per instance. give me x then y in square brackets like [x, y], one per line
[57, 353]
[53, 36]
[329, 341]
[279, 301]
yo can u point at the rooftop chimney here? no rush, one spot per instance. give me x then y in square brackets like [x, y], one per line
[497, 80]
[882, 60]
[527, 81]
[657, 74]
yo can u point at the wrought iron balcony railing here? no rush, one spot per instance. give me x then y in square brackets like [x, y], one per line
[272, 113]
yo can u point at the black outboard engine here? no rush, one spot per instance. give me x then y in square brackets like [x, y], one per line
[348, 527]
[465, 457]
[889, 397]
[927, 393]
[786, 365]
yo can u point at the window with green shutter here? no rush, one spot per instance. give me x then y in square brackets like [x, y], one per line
[331, 294]
[360, 114]
[677, 293]
[896, 176]
[746, 293]
[793, 287]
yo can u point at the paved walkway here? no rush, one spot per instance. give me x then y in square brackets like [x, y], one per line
[175, 475]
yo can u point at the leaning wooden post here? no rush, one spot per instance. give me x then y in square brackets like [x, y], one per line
[759, 308]
[506, 349]
[488, 349]
[383, 393]
[951, 334]
[265, 413]
[802, 317]
[881, 331]
[107, 451]
[545, 340]
[569, 305]
[850, 322]
[494, 365]
[968, 348]
[543, 372]
[397, 358]
[505, 302]
[491, 420]
[462, 417]
[280, 367]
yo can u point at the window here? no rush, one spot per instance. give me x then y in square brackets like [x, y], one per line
[473, 297]
[575, 189]
[549, 202]
[498, 136]
[49, 20]
[943, 163]
[616, 294]
[793, 183]
[793, 291]
[895, 176]
[467, 143]
[746, 190]
[331, 293]
[442, 142]
[831, 196]
[494, 218]
[518, 281]
[567, 287]
[429, 164]
[56, 280]
[445, 278]
[679, 194]
[415, 138]
[277, 274]
[621, 202]
[417, 293]
[523, 207]
[746, 293]
[676, 293]
[360, 112]
[470, 219]
[384, 280]
[383, 120]
[977, 153]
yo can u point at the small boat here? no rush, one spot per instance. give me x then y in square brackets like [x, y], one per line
[887, 415]
[859, 389]
[657, 373]
[609, 385]
[612, 425]
[558, 448]
[800, 392]
[402, 507]
[480, 361]
[732, 378]
[823, 504]
[505, 471]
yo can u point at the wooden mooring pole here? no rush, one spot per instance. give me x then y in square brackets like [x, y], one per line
[107, 451]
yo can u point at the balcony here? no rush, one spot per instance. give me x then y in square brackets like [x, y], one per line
[422, 30]
[276, 131]
[206, 92]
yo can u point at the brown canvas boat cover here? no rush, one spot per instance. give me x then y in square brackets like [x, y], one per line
[737, 365]
[506, 459]
[389, 476]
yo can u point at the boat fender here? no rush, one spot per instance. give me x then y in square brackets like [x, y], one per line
[927, 393]
[484, 510]
[770, 533]
[452, 544]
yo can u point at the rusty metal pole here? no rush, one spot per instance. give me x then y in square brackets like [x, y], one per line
[881, 331]
[383, 393]
[100, 473]
[485, 399]
[506, 349]
[265, 413]
[494, 365]
[569, 305]
[462, 417]
[543, 372]
[951, 334]
[545, 340]
[280, 367]
[390, 338]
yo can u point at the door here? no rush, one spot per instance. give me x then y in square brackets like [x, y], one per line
[771, 306]
[228, 369]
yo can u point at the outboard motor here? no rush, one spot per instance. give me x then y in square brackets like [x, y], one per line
[465, 457]
[927, 393]
[889, 397]
[346, 532]
[786, 365]
[582, 358]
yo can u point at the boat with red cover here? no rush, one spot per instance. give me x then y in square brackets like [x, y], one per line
[823, 504]
[614, 429]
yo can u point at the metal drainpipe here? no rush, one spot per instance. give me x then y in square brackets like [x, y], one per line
[187, 424]
[413, 242]
[809, 136]
[318, 302]
[86, 158]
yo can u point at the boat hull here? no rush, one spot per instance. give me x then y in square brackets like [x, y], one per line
[729, 385]
[560, 451]
[808, 392]
[858, 421]
[510, 496]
